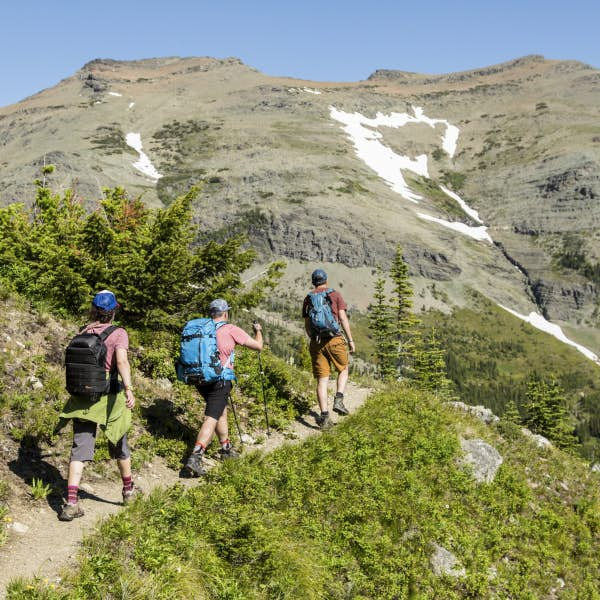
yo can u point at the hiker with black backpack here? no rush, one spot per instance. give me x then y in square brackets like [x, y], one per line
[206, 361]
[95, 358]
[324, 312]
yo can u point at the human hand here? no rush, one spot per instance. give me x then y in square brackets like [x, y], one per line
[129, 399]
[352, 346]
[256, 326]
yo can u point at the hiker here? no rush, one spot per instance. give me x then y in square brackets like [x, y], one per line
[324, 310]
[111, 409]
[216, 394]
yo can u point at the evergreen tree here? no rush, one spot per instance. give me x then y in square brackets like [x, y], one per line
[511, 412]
[429, 365]
[58, 253]
[547, 414]
[405, 322]
[381, 323]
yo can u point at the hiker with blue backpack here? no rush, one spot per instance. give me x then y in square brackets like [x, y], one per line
[325, 316]
[206, 361]
[95, 359]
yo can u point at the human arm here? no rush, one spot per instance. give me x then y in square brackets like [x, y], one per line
[125, 372]
[255, 343]
[307, 327]
[345, 323]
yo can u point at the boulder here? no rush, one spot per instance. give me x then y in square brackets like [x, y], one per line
[484, 459]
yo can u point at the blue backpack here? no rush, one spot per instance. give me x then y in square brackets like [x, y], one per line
[322, 321]
[199, 358]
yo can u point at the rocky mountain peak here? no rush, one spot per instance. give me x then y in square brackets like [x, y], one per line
[525, 156]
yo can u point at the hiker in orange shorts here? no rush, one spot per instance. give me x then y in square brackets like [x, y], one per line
[324, 312]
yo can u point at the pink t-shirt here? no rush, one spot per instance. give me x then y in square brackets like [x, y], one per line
[117, 339]
[227, 337]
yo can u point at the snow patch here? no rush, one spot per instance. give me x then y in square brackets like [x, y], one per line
[382, 159]
[311, 91]
[478, 233]
[143, 164]
[131, 105]
[470, 211]
[115, 94]
[539, 322]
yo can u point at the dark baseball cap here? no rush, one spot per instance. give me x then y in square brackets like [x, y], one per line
[318, 277]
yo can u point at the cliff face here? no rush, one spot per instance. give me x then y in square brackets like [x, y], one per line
[275, 165]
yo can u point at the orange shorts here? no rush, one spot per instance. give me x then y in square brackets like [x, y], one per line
[327, 352]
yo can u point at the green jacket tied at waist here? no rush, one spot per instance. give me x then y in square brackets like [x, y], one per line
[109, 412]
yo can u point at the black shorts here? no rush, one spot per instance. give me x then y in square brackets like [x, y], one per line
[216, 396]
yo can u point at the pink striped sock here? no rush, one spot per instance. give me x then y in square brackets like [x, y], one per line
[127, 483]
[72, 491]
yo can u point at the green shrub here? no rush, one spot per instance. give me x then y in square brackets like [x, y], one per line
[354, 514]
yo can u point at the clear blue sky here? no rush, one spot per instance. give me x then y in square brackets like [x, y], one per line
[345, 40]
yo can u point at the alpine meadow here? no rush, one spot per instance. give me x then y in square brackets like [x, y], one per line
[455, 215]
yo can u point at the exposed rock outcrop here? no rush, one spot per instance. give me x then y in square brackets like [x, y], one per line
[484, 459]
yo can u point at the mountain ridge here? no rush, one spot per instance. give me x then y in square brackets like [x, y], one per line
[268, 153]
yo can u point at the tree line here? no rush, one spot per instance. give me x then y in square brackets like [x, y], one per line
[405, 351]
[59, 253]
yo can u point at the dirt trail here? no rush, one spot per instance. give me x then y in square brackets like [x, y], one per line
[48, 545]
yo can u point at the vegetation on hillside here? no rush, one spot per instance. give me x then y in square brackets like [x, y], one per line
[58, 253]
[403, 350]
[357, 513]
[573, 255]
[492, 360]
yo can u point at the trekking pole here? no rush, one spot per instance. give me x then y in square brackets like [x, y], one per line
[262, 381]
[236, 419]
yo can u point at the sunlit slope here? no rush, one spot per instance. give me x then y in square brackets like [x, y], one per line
[364, 511]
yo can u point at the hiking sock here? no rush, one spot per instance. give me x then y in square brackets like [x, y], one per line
[339, 395]
[324, 413]
[199, 448]
[127, 483]
[72, 491]
[226, 444]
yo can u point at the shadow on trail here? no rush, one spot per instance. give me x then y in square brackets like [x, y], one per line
[30, 464]
[163, 420]
[302, 420]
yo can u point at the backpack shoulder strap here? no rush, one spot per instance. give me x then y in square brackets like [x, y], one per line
[108, 331]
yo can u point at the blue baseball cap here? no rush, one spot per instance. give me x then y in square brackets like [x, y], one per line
[318, 277]
[218, 306]
[105, 300]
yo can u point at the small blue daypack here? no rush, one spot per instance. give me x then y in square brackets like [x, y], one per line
[322, 321]
[199, 358]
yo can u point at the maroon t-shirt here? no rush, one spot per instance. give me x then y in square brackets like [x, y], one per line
[337, 303]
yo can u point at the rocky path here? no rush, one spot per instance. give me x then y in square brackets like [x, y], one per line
[40, 545]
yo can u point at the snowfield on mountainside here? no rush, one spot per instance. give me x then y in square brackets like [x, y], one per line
[389, 165]
[143, 164]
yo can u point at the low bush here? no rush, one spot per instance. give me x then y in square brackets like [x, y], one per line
[356, 513]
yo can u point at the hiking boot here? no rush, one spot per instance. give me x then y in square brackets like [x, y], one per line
[130, 495]
[324, 422]
[338, 406]
[193, 466]
[70, 512]
[227, 452]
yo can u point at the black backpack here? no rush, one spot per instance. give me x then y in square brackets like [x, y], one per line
[85, 359]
